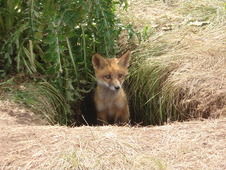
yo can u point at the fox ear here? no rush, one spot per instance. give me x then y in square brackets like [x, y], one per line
[98, 62]
[125, 59]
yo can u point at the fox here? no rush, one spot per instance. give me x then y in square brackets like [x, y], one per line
[110, 99]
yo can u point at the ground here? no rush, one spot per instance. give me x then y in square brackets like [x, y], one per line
[27, 143]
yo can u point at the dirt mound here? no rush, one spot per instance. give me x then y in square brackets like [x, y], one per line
[189, 145]
[12, 113]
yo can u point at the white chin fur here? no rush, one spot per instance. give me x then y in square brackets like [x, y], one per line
[107, 85]
[112, 88]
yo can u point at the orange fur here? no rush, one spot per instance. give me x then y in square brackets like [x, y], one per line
[109, 97]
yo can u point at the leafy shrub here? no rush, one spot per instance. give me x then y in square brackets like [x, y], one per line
[53, 40]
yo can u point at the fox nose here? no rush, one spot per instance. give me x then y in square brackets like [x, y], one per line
[117, 87]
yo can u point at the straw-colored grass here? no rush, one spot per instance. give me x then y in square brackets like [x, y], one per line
[180, 69]
[188, 145]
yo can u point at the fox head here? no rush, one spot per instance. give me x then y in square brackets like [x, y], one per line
[111, 72]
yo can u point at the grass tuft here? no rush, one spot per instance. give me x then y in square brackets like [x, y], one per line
[42, 98]
[175, 72]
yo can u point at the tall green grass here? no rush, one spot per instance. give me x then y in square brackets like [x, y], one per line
[150, 103]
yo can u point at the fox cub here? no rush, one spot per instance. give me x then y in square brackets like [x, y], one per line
[109, 97]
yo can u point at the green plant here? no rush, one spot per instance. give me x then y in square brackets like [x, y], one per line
[46, 100]
[152, 100]
[54, 41]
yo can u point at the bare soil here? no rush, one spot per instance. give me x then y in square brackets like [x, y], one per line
[28, 143]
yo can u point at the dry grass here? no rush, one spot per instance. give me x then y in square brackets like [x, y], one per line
[187, 40]
[188, 145]
[201, 75]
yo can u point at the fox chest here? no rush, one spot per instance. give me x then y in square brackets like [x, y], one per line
[109, 106]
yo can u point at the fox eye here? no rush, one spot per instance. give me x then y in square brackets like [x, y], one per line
[120, 76]
[108, 77]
